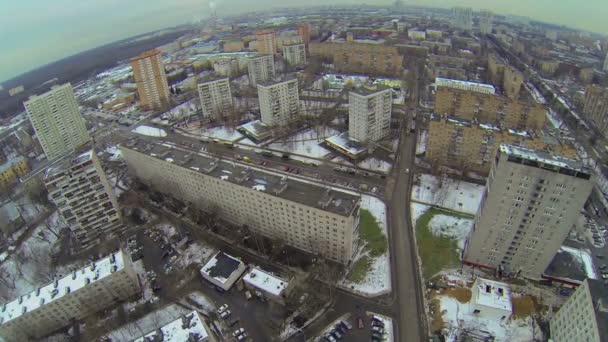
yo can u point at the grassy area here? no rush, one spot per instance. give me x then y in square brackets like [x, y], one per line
[524, 306]
[372, 234]
[461, 294]
[437, 322]
[360, 269]
[436, 252]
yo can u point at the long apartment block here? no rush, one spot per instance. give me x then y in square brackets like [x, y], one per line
[471, 145]
[80, 189]
[304, 215]
[494, 109]
[70, 298]
[531, 201]
[360, 57]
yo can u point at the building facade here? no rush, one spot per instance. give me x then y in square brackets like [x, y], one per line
[369, 114]
[261, 69]
[361, 58]
[11, 170]
[462, 18]
[303, 215]
[584, 316]
[596, 106]
[216, 98]
[505, 76]
[531, 201]
[57, 121]
[304, 30]
[279, 102]
[151, 79]
[487, 108]
[295, 54]
[266, 42]
[486, 22]
[227, 67]
[73, 297]
[80, 189]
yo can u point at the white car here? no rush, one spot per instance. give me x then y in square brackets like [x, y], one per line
[225, 314]
[222, 309]
[238, 332]
[407, 171]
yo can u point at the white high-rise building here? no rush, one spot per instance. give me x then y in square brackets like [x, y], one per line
[261, 69]
[216, 98]
[57, 121]
[531, 201]
[462, 18]
[295, 54]
[279, 102]
[80, 189]
[369, 114]
[486, 19]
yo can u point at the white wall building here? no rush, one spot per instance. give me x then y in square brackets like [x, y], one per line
[279, 102]
[57, 121]
[369, 114]
[216, 98]
[531, 202]
[306, 216]
[295, 54]
[84, 197]
[491, 299]
[465, 85]
[261, 69]
[266, 285]
[223, 270]
[72, 297]
[190, 327]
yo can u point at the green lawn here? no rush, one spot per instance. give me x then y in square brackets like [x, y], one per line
[360, 269]
[437, 252]
[371, 233]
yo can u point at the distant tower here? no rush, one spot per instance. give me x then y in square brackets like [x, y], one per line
[486, 19]
[462, 18]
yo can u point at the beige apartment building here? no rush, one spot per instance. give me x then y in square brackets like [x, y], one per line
[596, 106]
[488, 108]
[151, 79]
[279, 102]
[584, 316]
[304, 30]
[261, 69]
[295, 54]
[73, 297]
[266, 42]
[307, 216]
[361, 58]
[80, 189]
[216, 98]
[369, 114]
[505, 76]
[57, 121]
[531, 201]
[471, 146]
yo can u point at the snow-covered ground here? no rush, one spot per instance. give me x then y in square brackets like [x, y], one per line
[182, 111]
[201, 301]
[196, 253]
[417, 210]
[150, 131]
[388, 326]
[459, 317]
[375, 164]
[306, 142]
[148, 323]
[222, 133]
[342, 160]
[378, 280]
[452, 227]
[448, 193]
[421, 142]
[115, 152]
[555, 120]
[583, 257]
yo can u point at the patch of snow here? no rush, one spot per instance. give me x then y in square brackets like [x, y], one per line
[417, 210]
[222, 133]
[196, 254]
[150, 131]
[448, 193]
[202, 302]
[306, 142]
[375, 164]
[421, 142]
[342, 160]
[116, 153]
[583, 257]
[452, 227]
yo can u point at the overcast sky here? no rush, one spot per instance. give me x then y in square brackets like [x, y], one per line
[36, 32]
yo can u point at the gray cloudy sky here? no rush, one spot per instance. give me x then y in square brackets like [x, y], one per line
[36, 32]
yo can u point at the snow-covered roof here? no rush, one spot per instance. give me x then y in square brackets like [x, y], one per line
[492, 294]
[265, 281]
[186, 328]
[67, 163]
[543, 157]
[343, 141]
[221, 267]
[465, 85]
[62, 287]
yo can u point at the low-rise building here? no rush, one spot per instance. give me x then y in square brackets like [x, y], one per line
[70, 298]
[190, 327]
[491, 299]
[416, 34]
[11, 170]
[223, 270]
[266, 285]
[584, 316]
[465, 85]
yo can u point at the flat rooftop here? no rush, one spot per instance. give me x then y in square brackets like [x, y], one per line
[221, 266]
[493, 294]
[471, 86]
[367, 90]
[545, 160]
[344, 142]
[265, 281]
[62, 287]
[249, 176]
[67, 162]
[186, 328]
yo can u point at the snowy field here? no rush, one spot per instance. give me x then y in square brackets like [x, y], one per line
[306, 142]
[182, 111]
[421, 142]
[417, 210]
[221, 133]
[452, 227]
[583, 257]
[150, 131]
[448, 193]
[115, 153]
[201, 302]
[375, 164]
[458, 316]
[378, 279]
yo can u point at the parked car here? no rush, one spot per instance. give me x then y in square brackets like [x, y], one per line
[225, 314]
[346, 324]
[222, 308]
[378, 329]
[242, 337]
[238, 331]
